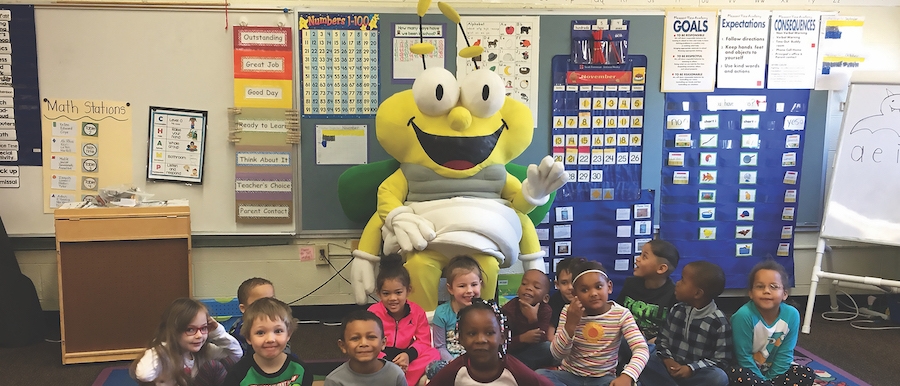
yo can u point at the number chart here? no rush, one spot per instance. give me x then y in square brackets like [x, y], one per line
[598, 126]
[339, 55]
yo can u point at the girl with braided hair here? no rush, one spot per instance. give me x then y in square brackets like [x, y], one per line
[484, 334]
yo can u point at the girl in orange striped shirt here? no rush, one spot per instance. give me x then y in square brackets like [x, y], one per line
[593, 328]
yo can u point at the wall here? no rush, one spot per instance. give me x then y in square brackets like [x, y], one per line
[219, 270]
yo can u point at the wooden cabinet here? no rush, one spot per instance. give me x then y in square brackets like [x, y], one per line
[119, 268]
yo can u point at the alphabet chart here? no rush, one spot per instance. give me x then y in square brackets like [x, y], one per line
[510, 50]
[598, 125]
[731, 176]
[339, 55]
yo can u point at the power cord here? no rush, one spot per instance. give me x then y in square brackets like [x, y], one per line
[342, 276]
[336, 274]
[859, 324]
[853, 315]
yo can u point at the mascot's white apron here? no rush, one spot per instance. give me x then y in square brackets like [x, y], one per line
[468, 225]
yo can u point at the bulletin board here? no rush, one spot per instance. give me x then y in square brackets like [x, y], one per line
[321, 211]
[160, 57]
[320, 207]
[184, 59]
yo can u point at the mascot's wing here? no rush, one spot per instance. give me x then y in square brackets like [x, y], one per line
[358, 188]
[520, 172]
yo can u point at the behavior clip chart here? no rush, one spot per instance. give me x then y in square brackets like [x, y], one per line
[83, 148]
[731, 175]
[177, 144]
[598, 125]
[339, 55]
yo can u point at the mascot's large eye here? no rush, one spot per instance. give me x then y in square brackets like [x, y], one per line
[435, 91]
[483, 93]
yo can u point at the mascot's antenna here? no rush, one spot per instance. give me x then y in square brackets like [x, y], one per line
[421, 8]
[470, 51]
[422, 48]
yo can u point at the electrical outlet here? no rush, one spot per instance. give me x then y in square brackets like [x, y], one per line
[321, 255]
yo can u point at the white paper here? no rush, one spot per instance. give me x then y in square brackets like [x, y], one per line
[64, 182]
[642, 211]
[562, 231]
[543, 234]
[62, 145]
[736, 102]
[623, 248]
[63, 128]
[623, 264]
[57, 199]
[341, 144]
[407, 65]
[689, 53]
[623, 231]
[793, 49]
[642, 228]
[794, 122]
[840, 51]
[59, 162]
[623, 214]
[743, 39]
[564, 214]
[563, 248]
[678, 122]
[513, 42]
[639, 243]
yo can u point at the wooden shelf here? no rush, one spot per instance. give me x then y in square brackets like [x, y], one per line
[119, 268]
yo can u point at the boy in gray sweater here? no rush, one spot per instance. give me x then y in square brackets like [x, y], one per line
[362, 341]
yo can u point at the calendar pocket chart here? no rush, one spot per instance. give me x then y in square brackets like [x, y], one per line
[339, 64]
[598, 126]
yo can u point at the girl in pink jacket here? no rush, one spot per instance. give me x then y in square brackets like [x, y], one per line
[406, 328]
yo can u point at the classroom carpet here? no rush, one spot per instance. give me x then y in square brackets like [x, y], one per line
[114, 376]
[827, 374]
[118, 376]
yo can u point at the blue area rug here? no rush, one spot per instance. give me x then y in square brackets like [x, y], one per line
[114, 376]
[827, 374]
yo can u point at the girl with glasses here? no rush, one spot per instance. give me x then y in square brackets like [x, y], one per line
[189, 348]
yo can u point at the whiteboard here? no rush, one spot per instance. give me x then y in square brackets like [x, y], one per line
[147, 57]
[864, 194]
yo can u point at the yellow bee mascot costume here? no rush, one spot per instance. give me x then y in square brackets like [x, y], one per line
[451, 193]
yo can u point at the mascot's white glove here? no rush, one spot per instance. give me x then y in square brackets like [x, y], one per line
[407, 230]
[542, 180]
[533, 261]
[362, 275]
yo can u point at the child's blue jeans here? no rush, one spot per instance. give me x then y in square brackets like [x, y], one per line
[565, 378]
[655, 374]
[535, 356]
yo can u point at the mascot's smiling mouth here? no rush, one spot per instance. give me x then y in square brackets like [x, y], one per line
[457, 153]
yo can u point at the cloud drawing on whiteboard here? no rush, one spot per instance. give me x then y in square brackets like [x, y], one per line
[889, 119]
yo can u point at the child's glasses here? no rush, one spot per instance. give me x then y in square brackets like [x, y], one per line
[762, 287]
[191, 330]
